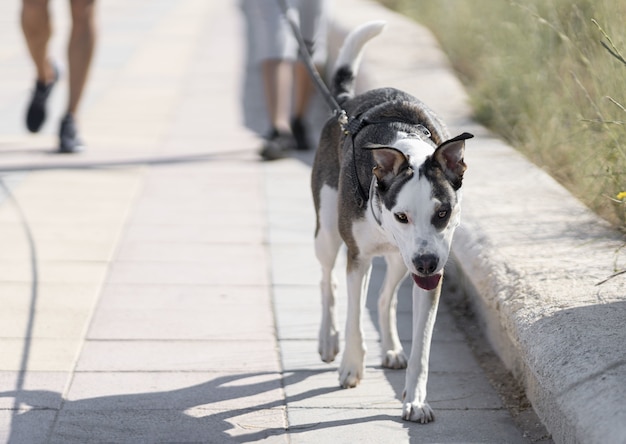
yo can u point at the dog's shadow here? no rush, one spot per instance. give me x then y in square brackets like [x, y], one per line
[191, 412]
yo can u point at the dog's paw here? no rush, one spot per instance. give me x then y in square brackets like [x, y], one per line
[328, 346]
[350, 376]
[351, 370]
[395, 359]
[417, 412]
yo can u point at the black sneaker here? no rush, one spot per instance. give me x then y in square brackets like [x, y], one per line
[69, 142]
[277, 145]
[36, 115]
[300, 134]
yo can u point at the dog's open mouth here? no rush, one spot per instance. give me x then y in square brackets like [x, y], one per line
[427, 282]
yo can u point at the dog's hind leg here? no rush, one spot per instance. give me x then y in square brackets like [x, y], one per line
[327, 244]
[425, 305]
[393, 355]
[352, 364]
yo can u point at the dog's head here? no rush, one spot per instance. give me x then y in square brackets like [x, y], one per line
[418, 195]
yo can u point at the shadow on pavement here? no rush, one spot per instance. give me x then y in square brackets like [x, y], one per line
[242, 155]
[164, 416]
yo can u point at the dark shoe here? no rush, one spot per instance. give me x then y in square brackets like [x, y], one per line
[36, 115]
[277, 145]
[70, 142]
[300, 134]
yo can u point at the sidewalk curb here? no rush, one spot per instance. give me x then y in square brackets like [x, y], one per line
[532, 255]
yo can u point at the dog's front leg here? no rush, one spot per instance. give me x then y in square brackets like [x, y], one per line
[352, 364]
[393, 355]
[327, 244]
[425, 305]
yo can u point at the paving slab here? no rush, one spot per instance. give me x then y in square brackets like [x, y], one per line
[27, 354]
[183, 355]
[191, 312]
[176, 390]
[195, 425]
[41, 391]
[383, 425]
[24, 426]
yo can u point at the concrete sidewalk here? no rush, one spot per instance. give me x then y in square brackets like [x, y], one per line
[162, 286]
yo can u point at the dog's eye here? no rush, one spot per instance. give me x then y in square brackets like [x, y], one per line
[402, 218]
[441, 216]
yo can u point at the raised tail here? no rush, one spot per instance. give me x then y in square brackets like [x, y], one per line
[349, 59]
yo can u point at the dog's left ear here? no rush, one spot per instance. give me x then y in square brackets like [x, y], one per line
[449, 155]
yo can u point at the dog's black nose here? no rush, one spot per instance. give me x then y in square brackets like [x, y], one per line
[426, 263]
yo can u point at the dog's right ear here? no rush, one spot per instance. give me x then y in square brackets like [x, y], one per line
[389, 162]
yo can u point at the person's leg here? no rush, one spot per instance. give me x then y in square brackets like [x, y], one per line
[80, 53]
[303, 90]
[278, 83]
[37, 29]
[80, 49]
[278, 86]
[275, 51]
[302, 93]
[313, 27]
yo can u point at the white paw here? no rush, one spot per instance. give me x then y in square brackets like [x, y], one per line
[328, 346]
[352, 369]
[417, 412]
[350, 376]
[395, 359]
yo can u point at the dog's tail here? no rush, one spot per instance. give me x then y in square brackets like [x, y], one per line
[349, 59]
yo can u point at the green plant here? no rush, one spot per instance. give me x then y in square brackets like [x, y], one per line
[547, 77]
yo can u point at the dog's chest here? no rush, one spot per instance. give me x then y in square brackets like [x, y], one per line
[371, 239]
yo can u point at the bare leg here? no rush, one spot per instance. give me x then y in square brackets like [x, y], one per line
[278, 83]
[37, 29]
[303, 90]
[278, 86]
[80, 49]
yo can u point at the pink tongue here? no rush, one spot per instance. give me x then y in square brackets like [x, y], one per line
[428, 282]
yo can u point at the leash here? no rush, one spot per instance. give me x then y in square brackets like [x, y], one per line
[303, 48]
[349, 126]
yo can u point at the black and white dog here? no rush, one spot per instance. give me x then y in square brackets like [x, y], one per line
[386, 185]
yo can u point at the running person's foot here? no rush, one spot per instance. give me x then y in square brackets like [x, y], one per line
[298, 128]
[277, 145]
[69, 140]
[36, 115]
